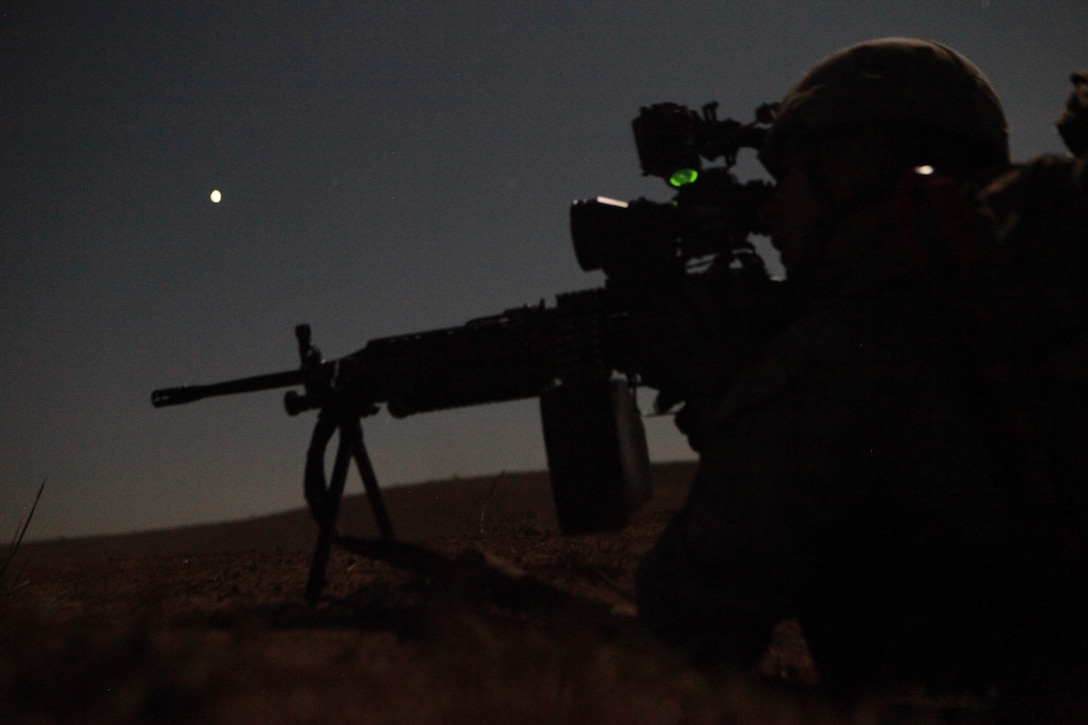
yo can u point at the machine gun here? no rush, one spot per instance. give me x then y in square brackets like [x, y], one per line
[683, 284]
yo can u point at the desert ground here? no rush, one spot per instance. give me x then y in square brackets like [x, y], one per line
[489, 616]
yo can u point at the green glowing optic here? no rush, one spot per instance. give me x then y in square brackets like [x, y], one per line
[683, 177]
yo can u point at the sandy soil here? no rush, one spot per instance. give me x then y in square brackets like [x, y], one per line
[514, 623]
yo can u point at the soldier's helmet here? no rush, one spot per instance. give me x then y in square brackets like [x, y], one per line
[917, 88]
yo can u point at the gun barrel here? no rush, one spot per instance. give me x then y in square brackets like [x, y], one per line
[189, 393]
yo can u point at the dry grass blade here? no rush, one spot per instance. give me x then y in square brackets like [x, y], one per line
[16, 543]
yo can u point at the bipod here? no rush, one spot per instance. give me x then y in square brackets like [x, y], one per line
[324, 500]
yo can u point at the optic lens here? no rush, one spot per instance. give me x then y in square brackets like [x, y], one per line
[683, 177]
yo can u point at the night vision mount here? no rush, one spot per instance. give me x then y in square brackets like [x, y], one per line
[712, 213]
[671, 139]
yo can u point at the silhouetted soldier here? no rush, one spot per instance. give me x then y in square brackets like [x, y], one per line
[872, 474]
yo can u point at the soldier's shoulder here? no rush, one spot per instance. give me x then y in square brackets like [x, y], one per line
[1049, 181]
[1037, 272]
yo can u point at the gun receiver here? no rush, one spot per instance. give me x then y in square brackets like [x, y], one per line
[517, 354]
[683, 284]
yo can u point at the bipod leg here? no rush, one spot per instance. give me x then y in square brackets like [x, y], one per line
[350, 447]
[330, 512]
[370, 483]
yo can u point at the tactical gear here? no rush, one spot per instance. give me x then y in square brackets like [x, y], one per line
[915, 87]
[1073, 123]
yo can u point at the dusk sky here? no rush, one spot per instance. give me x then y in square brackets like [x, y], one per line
[384, 168]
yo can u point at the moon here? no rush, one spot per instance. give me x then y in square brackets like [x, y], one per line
[216, 197]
